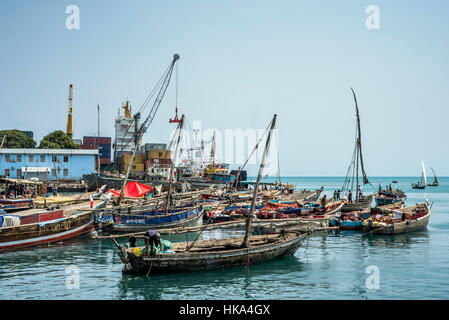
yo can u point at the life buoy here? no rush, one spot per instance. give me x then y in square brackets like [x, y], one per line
[43, 189]
[28, 192]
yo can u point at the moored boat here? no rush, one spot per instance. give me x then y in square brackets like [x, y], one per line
[137, 222]
[403, 220]
[389, 196]
[421, 184]
[33, 227]
[211, 254]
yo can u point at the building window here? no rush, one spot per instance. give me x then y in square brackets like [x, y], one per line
[42, 157]
[53, 173]
[66, 172]
[19, 158]
[7, 159]
[30, 158]
[19, 173]
[66, 158]
[7, 172]
[53, 158]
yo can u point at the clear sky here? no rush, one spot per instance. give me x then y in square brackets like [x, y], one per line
[241, 62]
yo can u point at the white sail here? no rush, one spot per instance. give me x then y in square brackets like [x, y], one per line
[424, 176]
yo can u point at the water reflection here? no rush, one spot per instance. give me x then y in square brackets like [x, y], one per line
[245, 280]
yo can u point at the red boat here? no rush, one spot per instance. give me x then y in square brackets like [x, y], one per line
[11, 205]
[41, 226]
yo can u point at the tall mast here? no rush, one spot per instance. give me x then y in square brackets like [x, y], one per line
[98, 137]
[181, 124]
[212, 152]
[69, 130]
[256, 187]
[359, 140]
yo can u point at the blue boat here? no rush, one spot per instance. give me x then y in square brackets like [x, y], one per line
[129, 223]
[350, 225]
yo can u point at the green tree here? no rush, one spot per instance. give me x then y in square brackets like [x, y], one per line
[16, 139]
[57, 140]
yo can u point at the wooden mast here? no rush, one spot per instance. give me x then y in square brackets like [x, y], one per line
[256, 187]
[137, 137]
[168, 203]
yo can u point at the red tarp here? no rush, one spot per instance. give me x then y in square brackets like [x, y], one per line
[133, 190]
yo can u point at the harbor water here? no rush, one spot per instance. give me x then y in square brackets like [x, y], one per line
[334, 265]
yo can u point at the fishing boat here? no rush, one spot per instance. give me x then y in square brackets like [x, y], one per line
[33, 227]
[356, 201]
[389, 196]
[353, 220]
[11, 205]
[435, 182]
[398, 221]
[143, 221]
[423, 182]
[213, 254]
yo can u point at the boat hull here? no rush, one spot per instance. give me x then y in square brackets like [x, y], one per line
[214, 259]
[194, 218]
[400, 227]
[363, 204]
[47, 232]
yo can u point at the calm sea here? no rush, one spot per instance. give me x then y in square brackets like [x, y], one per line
[327, 266]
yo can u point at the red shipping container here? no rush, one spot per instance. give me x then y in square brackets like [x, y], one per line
[52, 215]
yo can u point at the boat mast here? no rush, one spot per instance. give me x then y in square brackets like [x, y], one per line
[256, 187]
[359, 145]
[435, 180]
[169, 199]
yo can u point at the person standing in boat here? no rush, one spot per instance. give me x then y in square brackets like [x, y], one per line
[350, 196]
[153, 239]
[323, 201]
[360, 192]
[132, 241]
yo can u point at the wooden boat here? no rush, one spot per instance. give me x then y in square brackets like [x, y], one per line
[128, 223]
[212, 254]
[413, 218]
[11, 205]
[435, 182]
[353, 220]
[358, 205]
[33, 227]
[389, 196]
[423, 182]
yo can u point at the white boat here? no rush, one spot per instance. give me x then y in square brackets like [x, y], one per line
[423, 182]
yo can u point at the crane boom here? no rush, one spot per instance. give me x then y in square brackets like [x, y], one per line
[160, 96]
[70, 113]
[143, 128]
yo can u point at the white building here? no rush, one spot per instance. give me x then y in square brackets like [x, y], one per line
[124, 132]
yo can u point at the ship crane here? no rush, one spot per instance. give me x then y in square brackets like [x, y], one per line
[140, 130]
[70, 113]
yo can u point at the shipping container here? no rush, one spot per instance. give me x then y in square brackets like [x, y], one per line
[160, 154]
[155, 146]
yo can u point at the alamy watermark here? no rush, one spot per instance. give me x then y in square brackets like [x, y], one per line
[73, 20]
[232, 146]
[73, 279]
[373, 280]
[372, 22]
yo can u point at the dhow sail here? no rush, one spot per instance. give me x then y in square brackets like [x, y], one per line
[424, 176]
